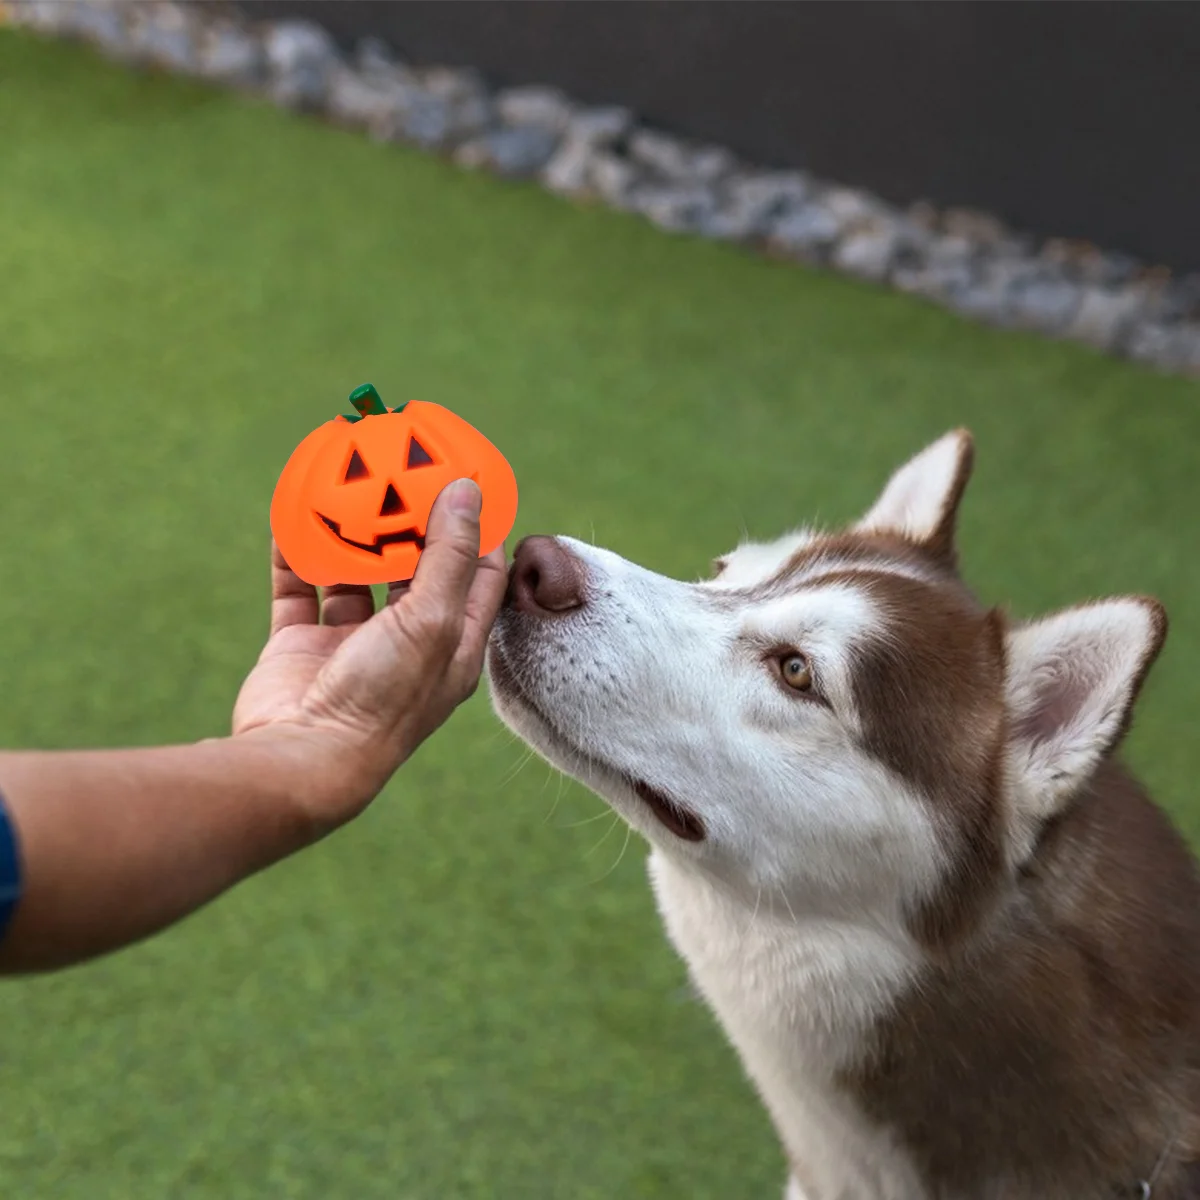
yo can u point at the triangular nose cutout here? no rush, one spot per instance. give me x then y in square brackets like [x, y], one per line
[418, 456]
[355, 469]
[392, 504]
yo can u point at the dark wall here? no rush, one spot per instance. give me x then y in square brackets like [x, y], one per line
[1078, 120]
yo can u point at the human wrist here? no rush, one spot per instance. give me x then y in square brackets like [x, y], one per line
[318, 778]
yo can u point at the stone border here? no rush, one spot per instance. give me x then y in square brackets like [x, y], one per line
[963, 260]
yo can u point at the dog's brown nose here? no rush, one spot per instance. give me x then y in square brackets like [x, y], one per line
[546, 578]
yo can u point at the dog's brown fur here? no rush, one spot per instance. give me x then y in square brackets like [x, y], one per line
[1055, 1038]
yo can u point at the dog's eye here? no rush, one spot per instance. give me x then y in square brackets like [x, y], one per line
[796, 672]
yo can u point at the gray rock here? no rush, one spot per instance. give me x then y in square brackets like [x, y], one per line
[568, 172]
[373, 55]
[947, 281]
[446, 106]
[1153, 294]
[1102, 318]
[230, 54]
[850, 206]
[980, 302]
[1073, 259]
[163, 34]
[301, 57]
[103, 25]
[913, 240]
[808, 230]
[520, 150]
[869, 253]
[455, 84]
[1117, 268]
[1009, 274]
[1188, 344]
[730, 226]
[599, 126]
[749, 202]
[613, 178]
[545, 107]
[1170, 347]
[979, 227]
[377, 67]
[589, 132]
[711, 163]
[33, 14]
[1151, 341]
[472, 113]
[664, 155]
[675, 160]
[366, 102]
[46, 16]
[1046, 305]
[1013, 246]
[948, 249]
[767, 192]
[1180, 299]
[427, 120]
[678, 208]
[923, 215]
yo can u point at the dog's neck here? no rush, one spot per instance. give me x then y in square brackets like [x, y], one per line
[798, 997]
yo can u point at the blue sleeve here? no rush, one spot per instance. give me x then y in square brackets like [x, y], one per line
[10, 870]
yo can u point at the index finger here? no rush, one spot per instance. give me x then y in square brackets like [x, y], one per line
[293, 602]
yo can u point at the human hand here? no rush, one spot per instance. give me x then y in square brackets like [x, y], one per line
[345, 694]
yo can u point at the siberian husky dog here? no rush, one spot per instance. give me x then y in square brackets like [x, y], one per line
[955, 945]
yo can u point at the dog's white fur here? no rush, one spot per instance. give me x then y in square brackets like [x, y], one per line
[790, 912]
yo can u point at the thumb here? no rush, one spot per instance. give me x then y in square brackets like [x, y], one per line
[447, 567]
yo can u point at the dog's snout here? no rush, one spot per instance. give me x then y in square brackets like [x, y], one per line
[546, 578]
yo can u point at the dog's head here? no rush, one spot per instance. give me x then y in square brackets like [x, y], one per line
[833, 717]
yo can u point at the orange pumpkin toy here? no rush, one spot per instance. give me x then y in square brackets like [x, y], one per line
[353, 501]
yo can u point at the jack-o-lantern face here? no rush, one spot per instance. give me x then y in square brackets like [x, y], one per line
[353, 501]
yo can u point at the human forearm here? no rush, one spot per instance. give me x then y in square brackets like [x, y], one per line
[117, 844]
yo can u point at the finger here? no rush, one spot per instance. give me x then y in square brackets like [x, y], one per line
[448, 562]
[347, 604]
[483, 603]
[293, 602]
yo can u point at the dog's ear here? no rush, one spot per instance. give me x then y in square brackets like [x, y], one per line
[1072, 679]
[920, 501]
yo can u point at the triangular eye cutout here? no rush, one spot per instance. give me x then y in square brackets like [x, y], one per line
[392, 504]
[356, 469]
[418, 456]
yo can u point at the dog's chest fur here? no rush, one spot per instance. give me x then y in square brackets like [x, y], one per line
[798, 1006]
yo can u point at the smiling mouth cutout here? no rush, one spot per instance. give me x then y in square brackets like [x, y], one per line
[377, 546]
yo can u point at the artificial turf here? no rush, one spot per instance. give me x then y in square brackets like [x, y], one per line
[465, 993]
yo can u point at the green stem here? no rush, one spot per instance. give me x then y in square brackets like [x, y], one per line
[366, 400]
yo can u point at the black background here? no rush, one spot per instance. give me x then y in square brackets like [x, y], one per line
[1069, 119]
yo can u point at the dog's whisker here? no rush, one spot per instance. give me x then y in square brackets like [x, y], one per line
[522, 763]
[608, 812]
[607, 834]
[558, 793]
[624, 847]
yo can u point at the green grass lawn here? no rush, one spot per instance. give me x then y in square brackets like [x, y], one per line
[465, 994]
